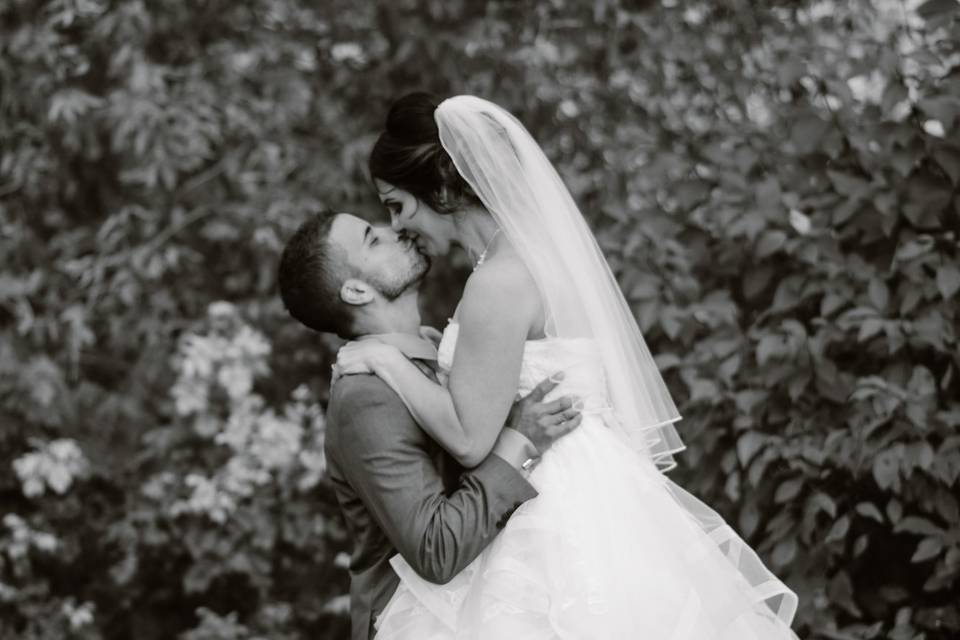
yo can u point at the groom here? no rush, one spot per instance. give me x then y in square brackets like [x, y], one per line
[398, 490]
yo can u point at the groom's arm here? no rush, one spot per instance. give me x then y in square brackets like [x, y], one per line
[382, 455]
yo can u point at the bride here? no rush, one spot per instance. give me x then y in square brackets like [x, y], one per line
[611, 548]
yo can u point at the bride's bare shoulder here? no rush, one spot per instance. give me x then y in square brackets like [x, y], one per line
[502, 290]
[505, 275]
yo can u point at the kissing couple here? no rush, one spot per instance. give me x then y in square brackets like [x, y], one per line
[506, 481]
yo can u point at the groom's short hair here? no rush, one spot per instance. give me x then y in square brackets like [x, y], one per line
[312, 271]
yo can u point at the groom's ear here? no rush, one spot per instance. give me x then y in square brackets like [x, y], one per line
[356, 292]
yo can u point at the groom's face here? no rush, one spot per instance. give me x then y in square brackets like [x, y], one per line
[377, 256]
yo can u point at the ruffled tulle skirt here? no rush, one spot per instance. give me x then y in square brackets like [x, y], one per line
[610, 549]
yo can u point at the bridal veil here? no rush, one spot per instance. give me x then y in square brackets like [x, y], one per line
[519, 186]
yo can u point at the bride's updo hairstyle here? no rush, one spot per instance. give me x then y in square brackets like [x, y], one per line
[408, 155]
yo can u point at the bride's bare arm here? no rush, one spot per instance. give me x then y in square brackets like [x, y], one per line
[429, 403]
[499, 306]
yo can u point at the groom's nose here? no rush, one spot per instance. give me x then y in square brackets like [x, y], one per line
[395, 223]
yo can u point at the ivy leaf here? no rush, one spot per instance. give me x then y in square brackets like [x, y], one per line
[830, 303]
[769, 243]
[749, 518]
[910, 300]
[894, 510]
[903, 161]
[756, 280]
[784, 552]
[948, 280]
[800, 221]
[846, 210]
[671, 321]
[860, 545]
[894, 94]
[840, 591]
[917, 525]
[339, 605]
[870, 328]
[947, 467]
[825, 502]
[942, 108]
[894, 594]
[947, 507]
[914, 248]
[788, 294]
[869, 510]
[922, 383]
[796, 387]
[930, 329]
[757, 468]
[771, 346]
[690, 193]
[748, 445]
[928, 197]
[927, 549]
[807, 133]
[839, 530]
[848, 185]
[643, 290]
[918, 455]
[788, 490]
[69, 105]
[886, 470]
[934, 8]
[667, 361]
[879, 294]
[949, 160]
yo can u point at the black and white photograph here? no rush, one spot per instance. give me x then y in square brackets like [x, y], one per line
[479, 320]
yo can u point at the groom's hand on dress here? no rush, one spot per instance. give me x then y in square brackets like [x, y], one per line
[543, 423]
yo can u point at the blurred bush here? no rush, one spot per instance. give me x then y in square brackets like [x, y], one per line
[775, 185]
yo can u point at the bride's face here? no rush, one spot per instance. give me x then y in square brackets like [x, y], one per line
[432, 232]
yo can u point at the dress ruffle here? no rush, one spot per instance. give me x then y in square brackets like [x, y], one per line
[611, 548]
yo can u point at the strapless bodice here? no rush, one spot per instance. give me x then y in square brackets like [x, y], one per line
[577, 358]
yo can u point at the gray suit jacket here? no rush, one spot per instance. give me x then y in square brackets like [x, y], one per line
[400, 492]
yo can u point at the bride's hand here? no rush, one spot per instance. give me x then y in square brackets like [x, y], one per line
[364, 356]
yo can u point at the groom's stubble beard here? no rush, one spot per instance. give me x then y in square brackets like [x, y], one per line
[393, 285]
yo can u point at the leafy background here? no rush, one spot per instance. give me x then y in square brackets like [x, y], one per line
[775, 184]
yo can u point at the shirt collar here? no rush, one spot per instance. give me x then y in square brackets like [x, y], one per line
[412, 346]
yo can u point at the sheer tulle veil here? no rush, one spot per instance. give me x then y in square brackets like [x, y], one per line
[519, 186]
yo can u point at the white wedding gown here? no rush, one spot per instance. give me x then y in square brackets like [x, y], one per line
[610, 549]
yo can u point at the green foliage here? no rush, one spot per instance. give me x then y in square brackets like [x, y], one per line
[809, 306]
[776, 187]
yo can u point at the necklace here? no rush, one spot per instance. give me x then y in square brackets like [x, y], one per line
[483, 256]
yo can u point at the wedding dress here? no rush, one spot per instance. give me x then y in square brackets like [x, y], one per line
[611, 548]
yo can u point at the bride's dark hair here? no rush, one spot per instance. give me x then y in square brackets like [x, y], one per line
[408, 155]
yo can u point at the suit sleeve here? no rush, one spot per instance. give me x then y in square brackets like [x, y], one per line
[382, 457]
